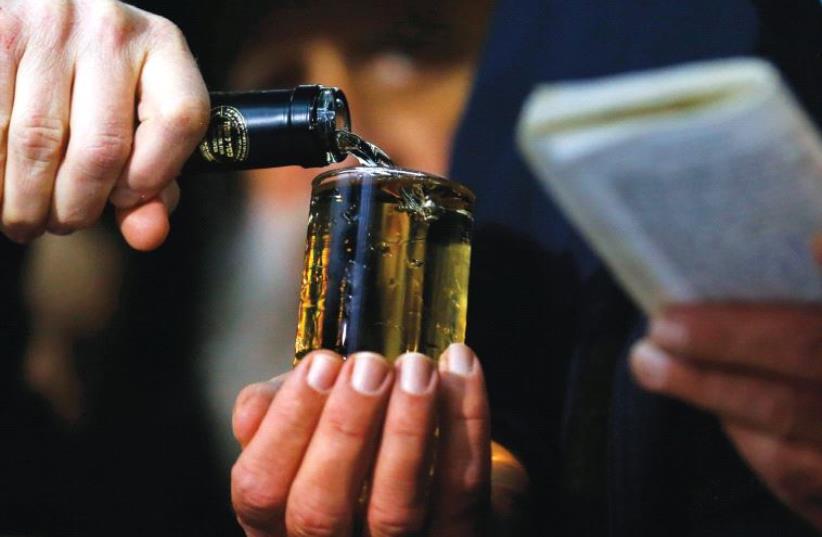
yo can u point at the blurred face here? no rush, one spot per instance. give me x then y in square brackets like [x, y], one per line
[409, 109]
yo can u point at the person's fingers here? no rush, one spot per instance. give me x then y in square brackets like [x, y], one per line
[398, 500]
[793, 472]
[776, 406]
[460, 493]
[102, 121]
[251, 406]
[10, 29]
[262, 476]
[781, 339]
[173, 113]
[325, 491]
[38, 127]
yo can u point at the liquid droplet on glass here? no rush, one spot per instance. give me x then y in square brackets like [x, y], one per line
[350, 214]
[417, 203]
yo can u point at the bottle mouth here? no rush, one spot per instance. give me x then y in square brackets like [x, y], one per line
[342, 116]
[332, 117]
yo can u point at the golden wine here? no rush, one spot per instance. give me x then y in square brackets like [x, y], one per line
[386, 264]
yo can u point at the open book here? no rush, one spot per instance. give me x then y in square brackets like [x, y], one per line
[694, 183]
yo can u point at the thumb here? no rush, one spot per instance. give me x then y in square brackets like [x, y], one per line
[146, 226]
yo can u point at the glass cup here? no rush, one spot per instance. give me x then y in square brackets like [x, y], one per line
[386, 263]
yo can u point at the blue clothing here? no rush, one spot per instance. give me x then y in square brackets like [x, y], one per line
[605, 457]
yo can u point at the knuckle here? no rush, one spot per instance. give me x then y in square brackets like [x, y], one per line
[164, 29]
[165, 26]
[107, 152]
[39, 138]
[394, 521]
[408, 431]
[112, 23]
[54, 19]
[255, 501]
[287, 414]
[471, 417]
[11, 29]
[187, 118]
[302, 521]
[338, 426]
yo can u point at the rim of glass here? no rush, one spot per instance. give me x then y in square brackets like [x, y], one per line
[382, 171]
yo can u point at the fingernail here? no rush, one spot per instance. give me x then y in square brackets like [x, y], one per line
[323, 371]
[416, 372]
[459, 359]
[668, 333]
[369, 372]
[650, 364]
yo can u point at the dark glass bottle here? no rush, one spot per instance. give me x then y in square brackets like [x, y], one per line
[266, 129]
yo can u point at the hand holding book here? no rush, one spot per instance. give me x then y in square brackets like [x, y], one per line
[701, 188]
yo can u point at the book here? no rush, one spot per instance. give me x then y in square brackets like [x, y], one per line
[695, 183]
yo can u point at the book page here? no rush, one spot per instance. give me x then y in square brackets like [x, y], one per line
[714, 200]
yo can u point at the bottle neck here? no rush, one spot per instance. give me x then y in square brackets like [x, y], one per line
[266, 129]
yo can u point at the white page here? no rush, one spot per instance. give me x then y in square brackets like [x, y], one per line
[695, 183]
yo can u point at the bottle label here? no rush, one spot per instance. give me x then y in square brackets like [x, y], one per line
[227, 138]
